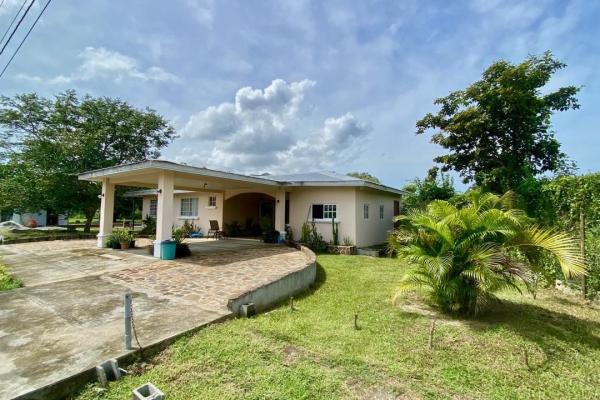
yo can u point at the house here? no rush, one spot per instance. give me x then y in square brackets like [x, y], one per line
[179, 193]
[39, 218]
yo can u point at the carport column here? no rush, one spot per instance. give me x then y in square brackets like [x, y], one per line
[107, 204]
[164, 210]
[280, 211]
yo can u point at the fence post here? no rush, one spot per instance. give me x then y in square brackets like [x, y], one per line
[582, 246]
[127, 305]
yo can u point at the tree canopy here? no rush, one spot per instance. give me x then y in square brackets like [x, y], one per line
[419, 193]
[498, 130]
[47, 142]
[365, 176]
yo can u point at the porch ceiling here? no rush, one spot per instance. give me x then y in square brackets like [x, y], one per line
[146, 174]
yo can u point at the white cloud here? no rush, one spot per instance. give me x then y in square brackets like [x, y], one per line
[265, 129]
[101, 63]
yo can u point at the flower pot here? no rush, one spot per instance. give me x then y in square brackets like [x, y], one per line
[115, 245]
[124, 245]
[132, 244]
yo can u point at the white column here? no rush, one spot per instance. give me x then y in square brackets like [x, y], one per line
[280, 211]
[164, 210]
[107, 205]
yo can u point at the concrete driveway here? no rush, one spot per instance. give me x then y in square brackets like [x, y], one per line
[69, 316]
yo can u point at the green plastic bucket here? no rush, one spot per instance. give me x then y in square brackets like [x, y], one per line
[167, 250]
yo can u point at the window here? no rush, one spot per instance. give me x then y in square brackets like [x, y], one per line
[329, 211]
[324, 211]
[381, 212]
[366, 211]
[152, 211]
[212, 201]
[189, 207]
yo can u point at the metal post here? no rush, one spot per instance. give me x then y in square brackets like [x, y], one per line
[127, 304]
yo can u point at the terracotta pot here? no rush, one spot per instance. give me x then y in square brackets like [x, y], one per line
[124, 245]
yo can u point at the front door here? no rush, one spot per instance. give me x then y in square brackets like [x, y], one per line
[266, 215]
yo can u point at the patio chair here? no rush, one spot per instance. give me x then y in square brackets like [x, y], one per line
[214, 230]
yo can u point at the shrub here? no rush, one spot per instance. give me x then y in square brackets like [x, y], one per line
[149, 226]
[7, 281]
[460, 257]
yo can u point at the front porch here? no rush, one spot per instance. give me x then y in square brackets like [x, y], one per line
[234, 196]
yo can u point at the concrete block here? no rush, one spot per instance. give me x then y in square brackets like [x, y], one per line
[248, 310]
[147, 392]
[109, 371]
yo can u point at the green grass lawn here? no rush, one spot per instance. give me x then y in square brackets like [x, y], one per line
[8, 282]
[521, 349]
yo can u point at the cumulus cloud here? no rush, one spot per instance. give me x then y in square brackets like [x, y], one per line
[101, 63]
[266, 129]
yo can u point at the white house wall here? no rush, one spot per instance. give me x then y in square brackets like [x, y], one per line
[302, 199]
[205, 213]
[373, 230]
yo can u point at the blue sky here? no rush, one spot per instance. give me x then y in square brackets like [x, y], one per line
[278, 86]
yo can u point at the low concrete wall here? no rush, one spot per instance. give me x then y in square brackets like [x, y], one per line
[272, 293]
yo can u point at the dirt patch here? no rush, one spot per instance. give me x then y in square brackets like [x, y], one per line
[359, 391]
[290, 354]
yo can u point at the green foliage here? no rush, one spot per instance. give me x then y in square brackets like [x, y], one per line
[364, 176]
[121, 236]
[289, 233]
[462, 256]
[7, 281]
[47, 142]
[305, 233]
[498, 130]
[233, 229]
[335, 229]
[347, 241]
[312, 238]
[149, 226]
[419, 193]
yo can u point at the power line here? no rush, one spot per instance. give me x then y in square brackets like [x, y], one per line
[25, 38]
[1, 4]
[17, 27]
[13, 21]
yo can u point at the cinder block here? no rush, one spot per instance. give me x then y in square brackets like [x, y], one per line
[147, 392]
[247, 310]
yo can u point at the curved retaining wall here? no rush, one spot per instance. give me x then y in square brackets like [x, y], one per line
[274, 292]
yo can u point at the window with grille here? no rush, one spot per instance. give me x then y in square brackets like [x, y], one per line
[324, 211]
[212, 201]
[366, 211]
[381, 212]
[153, 206]
[189, 207]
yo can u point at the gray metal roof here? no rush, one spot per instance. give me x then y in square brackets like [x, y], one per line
[322, 179]
[312, 177]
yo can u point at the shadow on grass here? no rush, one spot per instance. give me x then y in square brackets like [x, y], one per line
[320, 279]
[552, 331]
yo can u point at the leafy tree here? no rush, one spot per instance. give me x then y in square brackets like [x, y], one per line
[50, 141]
[419, 193]
[460, 257]
[364, 176]
[498, 130]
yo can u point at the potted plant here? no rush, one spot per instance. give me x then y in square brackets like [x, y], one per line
[113, 241]
[181, 249]
[124, 238]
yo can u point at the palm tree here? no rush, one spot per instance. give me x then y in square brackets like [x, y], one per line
[460, 256]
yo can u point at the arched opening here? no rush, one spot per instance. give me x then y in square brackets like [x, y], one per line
[248, 214]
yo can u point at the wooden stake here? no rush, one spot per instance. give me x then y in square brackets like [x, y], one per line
[431, 330]
[582, 246]
[356, 321]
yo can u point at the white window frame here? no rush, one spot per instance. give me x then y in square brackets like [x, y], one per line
[381, 211]
[332, 212]
[192, 212]
[153, 208]
[210, 202]
[366, 210]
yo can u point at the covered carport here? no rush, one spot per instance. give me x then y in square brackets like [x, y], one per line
[166, 177]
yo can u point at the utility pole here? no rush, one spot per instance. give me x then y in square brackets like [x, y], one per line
[582, 246]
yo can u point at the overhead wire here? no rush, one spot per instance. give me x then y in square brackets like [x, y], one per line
[25, 37]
